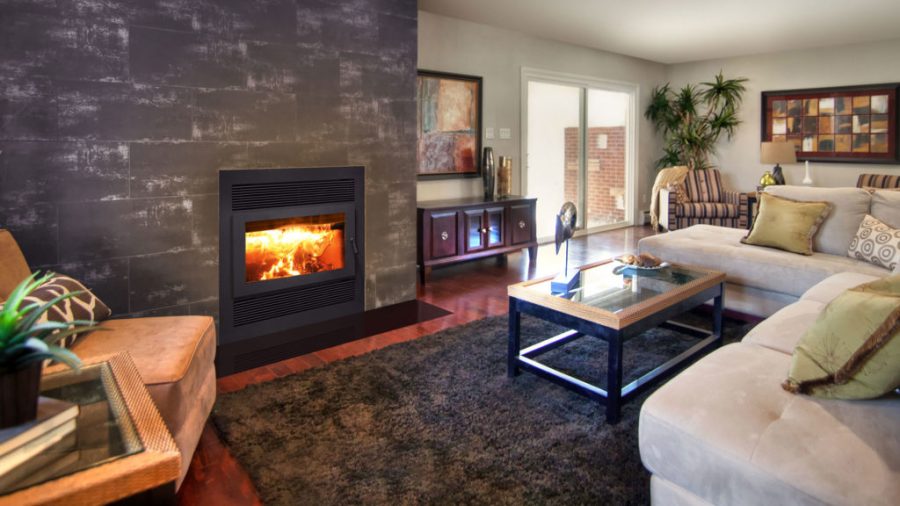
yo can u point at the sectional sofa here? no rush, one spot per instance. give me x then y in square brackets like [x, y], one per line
[724, 431]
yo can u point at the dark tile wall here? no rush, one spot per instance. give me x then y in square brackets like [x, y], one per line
[115, 116]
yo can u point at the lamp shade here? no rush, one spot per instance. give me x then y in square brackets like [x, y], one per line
[777, 153]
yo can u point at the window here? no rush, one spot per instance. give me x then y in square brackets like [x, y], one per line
[579, 147]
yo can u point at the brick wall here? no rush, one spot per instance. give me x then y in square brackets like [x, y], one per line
[115, 117]
[605, 173]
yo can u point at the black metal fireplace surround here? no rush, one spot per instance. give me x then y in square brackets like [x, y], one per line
[321, 211]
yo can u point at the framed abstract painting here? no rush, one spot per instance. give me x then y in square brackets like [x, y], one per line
[448, 125]
[844, 124]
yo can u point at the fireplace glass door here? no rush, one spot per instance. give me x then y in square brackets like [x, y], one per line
[295, 246]
[292, 247]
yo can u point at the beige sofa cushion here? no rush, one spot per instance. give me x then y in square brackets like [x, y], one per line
[769, 269]
[886, 206]
[849, 207]
[830, 288]
[741, 439]
[13, 267]
[175, 357]
[783, 330]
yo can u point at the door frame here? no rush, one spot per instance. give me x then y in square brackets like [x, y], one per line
[632, 211]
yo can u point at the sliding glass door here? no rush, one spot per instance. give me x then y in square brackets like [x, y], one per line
[578, 148]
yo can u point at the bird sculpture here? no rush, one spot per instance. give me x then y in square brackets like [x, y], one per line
[565, 229]
[565, 224]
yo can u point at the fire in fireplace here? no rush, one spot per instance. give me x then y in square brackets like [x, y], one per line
[293, 246]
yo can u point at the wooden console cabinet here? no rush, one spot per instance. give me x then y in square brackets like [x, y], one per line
[451, 231]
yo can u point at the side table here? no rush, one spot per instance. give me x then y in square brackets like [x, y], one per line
[121, 450]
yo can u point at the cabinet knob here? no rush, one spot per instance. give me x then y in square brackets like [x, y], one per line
[484, 230]
[521, 223]
[444, 235]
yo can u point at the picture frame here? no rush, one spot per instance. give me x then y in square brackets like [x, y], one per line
[448, 125]
[856, 124]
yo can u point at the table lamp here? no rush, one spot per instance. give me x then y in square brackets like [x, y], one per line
[777, 153]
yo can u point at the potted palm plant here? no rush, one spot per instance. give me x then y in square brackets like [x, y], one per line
[694, 118]
[25, 343]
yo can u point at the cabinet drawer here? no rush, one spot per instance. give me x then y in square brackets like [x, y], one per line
[443, 235]
[522, 223]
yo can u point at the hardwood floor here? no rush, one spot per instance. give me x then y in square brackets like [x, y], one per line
[471, 291]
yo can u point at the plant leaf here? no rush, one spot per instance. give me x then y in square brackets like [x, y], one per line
[65, 356]
[53, 353]
[30, 345]
[10, 313]
[41, 330]
[56, 337]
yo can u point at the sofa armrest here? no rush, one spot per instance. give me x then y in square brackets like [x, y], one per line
[668, 199]
[740, 200]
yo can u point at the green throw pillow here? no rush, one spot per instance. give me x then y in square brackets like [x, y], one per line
[852, 350]
[786, 224]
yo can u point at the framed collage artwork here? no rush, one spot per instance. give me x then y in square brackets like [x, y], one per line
[845, 124]
[448, 125]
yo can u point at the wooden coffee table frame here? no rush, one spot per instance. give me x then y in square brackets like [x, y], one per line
[615, 329]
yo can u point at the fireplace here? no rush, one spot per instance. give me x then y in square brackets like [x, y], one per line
[291, 248]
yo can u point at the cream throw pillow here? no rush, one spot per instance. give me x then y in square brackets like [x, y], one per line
[876, 243]
[786, 224]
[852, 350]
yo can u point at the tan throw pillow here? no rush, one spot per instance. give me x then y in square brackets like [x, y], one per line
[85, 306]
[876, 243]
[852, 350]
[786, 224]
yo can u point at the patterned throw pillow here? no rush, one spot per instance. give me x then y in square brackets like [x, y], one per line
[85, 306]
[876, 243]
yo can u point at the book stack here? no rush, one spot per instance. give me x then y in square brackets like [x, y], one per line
[38, 444]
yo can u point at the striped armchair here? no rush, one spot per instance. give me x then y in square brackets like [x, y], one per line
[877, 181]
[701, 199]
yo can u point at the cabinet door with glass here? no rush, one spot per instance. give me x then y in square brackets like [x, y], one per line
[475, 230]
[485, 228]
[495, 229]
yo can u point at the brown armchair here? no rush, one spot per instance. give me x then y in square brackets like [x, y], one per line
[702, 199]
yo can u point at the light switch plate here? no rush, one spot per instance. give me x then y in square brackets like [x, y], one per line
[505, 133]
[489, 133]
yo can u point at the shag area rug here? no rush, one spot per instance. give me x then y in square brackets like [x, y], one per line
[436, 421]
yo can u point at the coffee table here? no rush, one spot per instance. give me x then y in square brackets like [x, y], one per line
[614, 305]
[121, 450]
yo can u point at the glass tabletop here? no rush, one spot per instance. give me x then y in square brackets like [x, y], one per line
[104, 430]
[614, 288]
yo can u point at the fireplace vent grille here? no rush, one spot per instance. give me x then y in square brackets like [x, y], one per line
[289, 302]
[288, 194]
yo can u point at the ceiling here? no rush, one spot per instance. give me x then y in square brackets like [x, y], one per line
[677, 31]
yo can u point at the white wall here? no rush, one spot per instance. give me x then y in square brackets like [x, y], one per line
[498, 55]
[842, 66]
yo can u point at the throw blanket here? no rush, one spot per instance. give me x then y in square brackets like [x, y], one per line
[666, 177]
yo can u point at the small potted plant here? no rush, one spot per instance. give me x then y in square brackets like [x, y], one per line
[25, 343]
